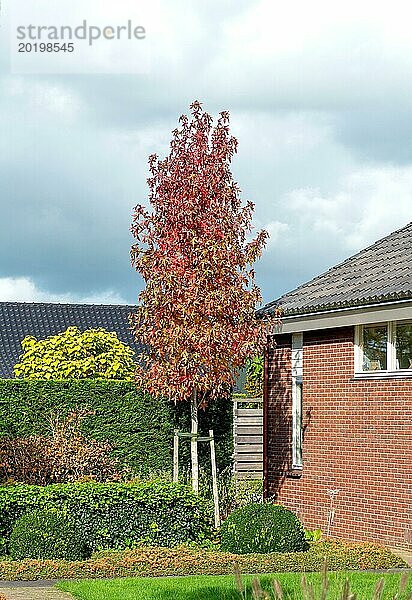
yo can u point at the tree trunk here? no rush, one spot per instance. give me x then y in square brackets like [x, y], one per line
[193, 444]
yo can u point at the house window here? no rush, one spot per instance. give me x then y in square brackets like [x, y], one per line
[403, 344]
[297, 397]
[384, 349]
[375, 348]
[297, 462]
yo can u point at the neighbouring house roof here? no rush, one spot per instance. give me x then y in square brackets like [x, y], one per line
[378, 274]
[19, 319]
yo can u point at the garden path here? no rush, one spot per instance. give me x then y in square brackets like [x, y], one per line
[33, 593]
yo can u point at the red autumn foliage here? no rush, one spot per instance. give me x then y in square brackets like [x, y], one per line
[196, 315]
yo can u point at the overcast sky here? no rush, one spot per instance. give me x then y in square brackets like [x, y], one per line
[320, 96]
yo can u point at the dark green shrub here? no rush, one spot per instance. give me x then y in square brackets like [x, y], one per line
[262, 528]
[46, 535]
[114, 515]
[137, 426]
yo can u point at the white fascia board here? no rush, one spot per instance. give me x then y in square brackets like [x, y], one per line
[346, 317]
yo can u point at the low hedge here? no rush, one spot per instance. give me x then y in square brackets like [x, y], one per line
[155, 561]
[113, 515]
[47, 534]
[264, 528]
[138, 427]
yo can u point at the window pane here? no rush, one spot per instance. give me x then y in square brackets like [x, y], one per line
[375, 348]
[404, 346]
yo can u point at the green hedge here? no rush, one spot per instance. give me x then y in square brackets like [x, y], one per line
[140, 427]
[113, 515]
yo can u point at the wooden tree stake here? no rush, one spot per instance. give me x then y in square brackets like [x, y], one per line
[193, 444]
[214, 479]
[176, 456]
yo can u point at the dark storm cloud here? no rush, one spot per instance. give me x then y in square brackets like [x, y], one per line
[68, 196]
[378, 135]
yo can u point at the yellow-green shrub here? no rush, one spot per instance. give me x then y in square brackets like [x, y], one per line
[92, 354]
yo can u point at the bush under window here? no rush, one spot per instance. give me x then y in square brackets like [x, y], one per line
[262, 528]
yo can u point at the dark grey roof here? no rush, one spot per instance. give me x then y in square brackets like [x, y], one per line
[19, 319]
[380, 273]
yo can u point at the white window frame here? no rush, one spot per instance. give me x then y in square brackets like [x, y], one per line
[297, 400]
[391, 372]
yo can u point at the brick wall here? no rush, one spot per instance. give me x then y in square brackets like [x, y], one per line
[357, 438]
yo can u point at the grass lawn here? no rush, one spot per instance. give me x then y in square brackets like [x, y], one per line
[222, 587]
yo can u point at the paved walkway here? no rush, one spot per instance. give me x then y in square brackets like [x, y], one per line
[33, 593]
[31, 590]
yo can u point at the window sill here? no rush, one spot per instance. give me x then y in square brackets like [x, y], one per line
[399, 374]
[295, 473]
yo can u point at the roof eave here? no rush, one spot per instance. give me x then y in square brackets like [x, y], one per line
[347, 316]
[335, 306]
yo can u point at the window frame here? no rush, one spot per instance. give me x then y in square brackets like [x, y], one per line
[297, 424]
[391, 371]
[297, 401]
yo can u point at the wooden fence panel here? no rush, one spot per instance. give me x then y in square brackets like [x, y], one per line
[248, 438]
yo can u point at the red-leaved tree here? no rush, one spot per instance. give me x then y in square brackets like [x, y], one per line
[196, 315]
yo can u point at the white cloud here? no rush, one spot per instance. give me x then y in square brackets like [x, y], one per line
[318, 54]
[23, 289]
[51, 98]
[365, 206]
[319, 228]
[276, 230]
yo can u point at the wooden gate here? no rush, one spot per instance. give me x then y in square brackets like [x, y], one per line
[248, 438]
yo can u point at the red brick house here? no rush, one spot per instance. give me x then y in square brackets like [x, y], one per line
[338, 397]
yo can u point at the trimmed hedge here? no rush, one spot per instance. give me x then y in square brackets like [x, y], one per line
[263, 528]
[113, 515]
[47, 534]
[140, 428]
[156, 562]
